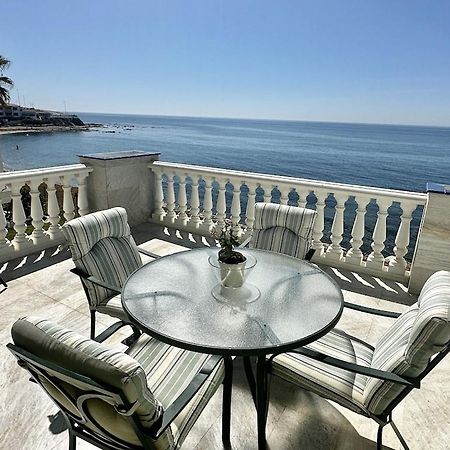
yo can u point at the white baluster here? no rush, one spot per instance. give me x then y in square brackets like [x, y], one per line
[335, 251]
[207, 205]
[38, 236]
[195, 204]
[159, 212]
[267, 194]
[82, 201]
[251, 206]
[284, 195]
[68, 206]
[319, 224]
[301, 200]
[182, 201]
[21, 240]
[354, 255]
[221, 204]
[5, 246]
[376, 259]
[53, 211]
[171, 214]
[398, 265]
[236, 207]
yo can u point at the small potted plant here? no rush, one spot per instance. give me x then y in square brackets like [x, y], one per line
[231, 262]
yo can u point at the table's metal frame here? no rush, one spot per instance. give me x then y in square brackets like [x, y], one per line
[259, 384]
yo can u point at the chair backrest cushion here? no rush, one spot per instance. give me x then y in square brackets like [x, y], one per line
[283, 229]
[105, 365]
[102, 246]
[407, 347]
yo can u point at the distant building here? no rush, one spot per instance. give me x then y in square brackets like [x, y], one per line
[16, 112]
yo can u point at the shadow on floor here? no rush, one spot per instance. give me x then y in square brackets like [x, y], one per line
[147, 232]
[33, 262]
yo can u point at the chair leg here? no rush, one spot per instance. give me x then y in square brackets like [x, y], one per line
[136, 332]
[72, 441]
[399, 435]
[380, 437]
[134, 337]
[92, 323]
[226, 401]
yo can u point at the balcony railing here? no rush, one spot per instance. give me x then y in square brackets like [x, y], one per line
[33, 204]
[363, 229]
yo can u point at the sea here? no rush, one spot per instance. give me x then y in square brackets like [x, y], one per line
[387, 156]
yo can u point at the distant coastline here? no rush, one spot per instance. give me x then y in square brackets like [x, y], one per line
[25, 129]
[16, 119]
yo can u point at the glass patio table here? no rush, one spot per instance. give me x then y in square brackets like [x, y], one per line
[171, 299]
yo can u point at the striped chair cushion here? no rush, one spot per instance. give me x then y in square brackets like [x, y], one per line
[102, 247]
[408, 345]
[169, 370]
[60, 346]
[113, 307]
[283, 229]
[342, 386]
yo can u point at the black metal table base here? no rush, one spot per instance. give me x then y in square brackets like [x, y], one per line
[259, 389]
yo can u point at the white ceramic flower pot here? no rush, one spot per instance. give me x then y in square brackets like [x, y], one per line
[232, 275]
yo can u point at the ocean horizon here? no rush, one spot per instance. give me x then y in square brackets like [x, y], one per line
[390, 156]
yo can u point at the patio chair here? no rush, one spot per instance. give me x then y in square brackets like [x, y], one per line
[372, 381]
[147, 397]
[283, 229]
[105, 254]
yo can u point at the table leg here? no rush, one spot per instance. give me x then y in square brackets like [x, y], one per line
[261, 400]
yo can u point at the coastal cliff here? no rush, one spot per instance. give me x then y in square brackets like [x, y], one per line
[14, 118]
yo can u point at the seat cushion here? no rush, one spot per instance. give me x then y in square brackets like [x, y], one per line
[283, 229]
[113, 307]
[408, 345]
[340, 385]
[102, 246]
[100, 362]
[84, 232]
[169, 371]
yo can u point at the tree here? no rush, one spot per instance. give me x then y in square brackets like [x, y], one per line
[5, 82]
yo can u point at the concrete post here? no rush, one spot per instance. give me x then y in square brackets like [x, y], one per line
[433, 245]
[121, 179]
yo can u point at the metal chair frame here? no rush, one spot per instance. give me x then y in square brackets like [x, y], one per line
[87, 428]
[85, 276]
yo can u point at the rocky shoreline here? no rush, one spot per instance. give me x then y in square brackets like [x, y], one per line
[19, 129]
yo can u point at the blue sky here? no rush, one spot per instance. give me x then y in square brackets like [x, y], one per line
[384, 61]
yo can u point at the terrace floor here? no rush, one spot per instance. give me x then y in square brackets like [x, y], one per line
[42, 285]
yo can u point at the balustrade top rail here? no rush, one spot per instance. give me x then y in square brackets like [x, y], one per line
[41, 173]
[277, 180]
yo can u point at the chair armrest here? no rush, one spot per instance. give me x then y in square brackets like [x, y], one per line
[356, 368]
[378, 312]
[246, 242]
[185, 397]
[147, 253]
[96, 281]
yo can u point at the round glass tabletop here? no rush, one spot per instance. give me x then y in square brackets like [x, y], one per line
[172, 299]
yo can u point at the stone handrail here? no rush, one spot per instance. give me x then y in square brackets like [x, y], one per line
[41, 198]
[365, 229]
